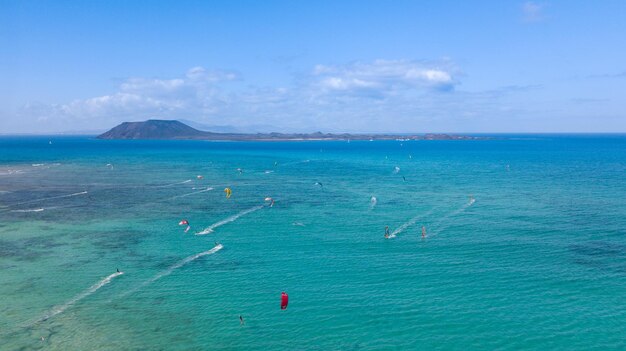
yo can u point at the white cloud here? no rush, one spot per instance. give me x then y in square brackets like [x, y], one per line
[195, 93]
[330, 96]
[199, 74]
[384, 77]
[381, 95]
[532, 11]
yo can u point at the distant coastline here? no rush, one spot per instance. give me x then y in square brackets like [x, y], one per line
[176, 130]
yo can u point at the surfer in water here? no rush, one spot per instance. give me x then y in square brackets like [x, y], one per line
[423, 232]
[386, 232]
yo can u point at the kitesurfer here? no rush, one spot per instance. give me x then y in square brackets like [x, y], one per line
[404, 178]
[423, 232]
[471, 200]
[386, 232]
[241, 321]
[118, 270]
[185, 222]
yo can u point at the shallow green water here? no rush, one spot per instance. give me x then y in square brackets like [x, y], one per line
[538, 261]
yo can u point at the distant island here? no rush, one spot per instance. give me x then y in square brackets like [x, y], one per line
[176, 130]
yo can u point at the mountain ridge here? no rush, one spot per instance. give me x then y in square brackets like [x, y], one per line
[176, 130]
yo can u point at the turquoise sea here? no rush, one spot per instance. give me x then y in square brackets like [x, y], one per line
[525, 246]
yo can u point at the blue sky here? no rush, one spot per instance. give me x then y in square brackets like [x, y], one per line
[356, 66]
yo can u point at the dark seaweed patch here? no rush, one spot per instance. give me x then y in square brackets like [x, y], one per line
[9, 248]
[42, 242]
[27, 249]
[602, 255]
[599, 249]
[118, 239]
[112, 239]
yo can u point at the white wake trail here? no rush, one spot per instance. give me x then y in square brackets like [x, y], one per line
[232, 218]
[172, 184]
[31, 210]
[184, 262]
[39, 209]
[408, 224]
[49, 198]
[59, 309]
[188, 194]
[451, 214]
[175, 266]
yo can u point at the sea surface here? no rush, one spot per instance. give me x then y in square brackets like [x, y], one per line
[525, 244]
